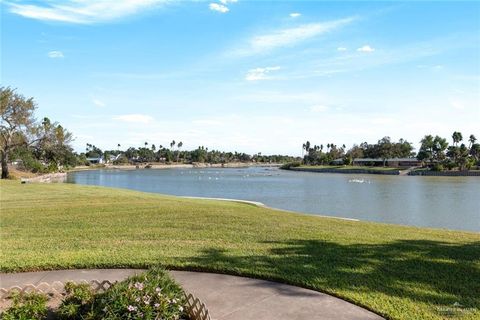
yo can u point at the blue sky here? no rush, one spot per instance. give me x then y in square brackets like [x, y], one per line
[252, 76]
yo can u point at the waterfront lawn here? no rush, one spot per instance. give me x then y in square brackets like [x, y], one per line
[399, 272]
[371, 168]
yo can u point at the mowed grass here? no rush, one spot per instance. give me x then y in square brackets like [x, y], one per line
[349, 168]
[398, 272]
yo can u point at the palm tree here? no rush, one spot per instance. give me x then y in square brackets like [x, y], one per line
[179, 145]
[472, 140]
[118, 146]
[457, 137]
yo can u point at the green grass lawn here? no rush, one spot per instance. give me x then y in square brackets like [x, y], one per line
[399, 272]
[350, 168]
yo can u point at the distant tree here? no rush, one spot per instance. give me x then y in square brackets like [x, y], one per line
[179, 145]
[54, 146]
[456, 137]
[472, 139]
[17, 126]
[118, 146]
[385, 149]
[432, 148]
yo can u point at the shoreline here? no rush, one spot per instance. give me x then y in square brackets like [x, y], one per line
[393, 172]
[176, 166]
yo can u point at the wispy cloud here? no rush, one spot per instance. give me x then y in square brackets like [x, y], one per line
[135, 118]
[341, 49]
[365, 48]
[218, 7]
[98, 103]
[222, 6]
[260, 73]
[295, 15]
[82, 11]
[318, 108]
[289, 36]
[55, 54]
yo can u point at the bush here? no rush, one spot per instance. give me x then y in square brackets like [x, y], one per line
[291, 165]
[152, 295]
[77, 304]
[27, 306]
[437, 167]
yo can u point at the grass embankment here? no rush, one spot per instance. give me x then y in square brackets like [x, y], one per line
[399, 272]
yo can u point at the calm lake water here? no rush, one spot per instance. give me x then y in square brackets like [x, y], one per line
[440, 202]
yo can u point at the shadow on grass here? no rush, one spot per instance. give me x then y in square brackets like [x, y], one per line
[435, 273]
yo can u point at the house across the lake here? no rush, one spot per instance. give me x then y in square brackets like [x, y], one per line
[390, 162]
[95, 160]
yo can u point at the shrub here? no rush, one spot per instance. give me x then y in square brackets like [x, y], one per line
[291, 165]
[152, 295]
[437, 167]
[77, 304]
[27, 306]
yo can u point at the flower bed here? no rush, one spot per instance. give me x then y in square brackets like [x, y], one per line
[151, 295]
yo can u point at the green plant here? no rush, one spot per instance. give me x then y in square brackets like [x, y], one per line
[77, 302]
[26, 306]
[291, 165]
[151, 295]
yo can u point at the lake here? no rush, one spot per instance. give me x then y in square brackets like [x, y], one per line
[440, 202]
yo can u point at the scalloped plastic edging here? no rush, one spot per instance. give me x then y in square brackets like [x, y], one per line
[196, 309]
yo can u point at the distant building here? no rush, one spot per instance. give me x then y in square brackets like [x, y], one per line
[390, 162]
[96, 160]
[338, 161]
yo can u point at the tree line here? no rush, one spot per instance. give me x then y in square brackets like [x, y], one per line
[435, 152]
[439, 155]
[173, 153]
[384, 149]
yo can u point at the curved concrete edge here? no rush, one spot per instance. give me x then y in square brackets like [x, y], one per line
[262, 205]
[255, 203]
[227, 297]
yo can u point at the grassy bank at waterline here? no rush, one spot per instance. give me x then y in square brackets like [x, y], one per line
[399, 272]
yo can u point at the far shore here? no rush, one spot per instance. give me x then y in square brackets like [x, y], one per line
[175, 166]
[416, 171]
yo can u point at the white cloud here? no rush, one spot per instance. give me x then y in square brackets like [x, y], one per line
[134, 118]
[295, 15]
[341, 49]
[55, 54]
[318, 108]
[289, 37]
[457, 104]
[218, 7]
[82, 11]
[366, 48]
[260, 73]
[227, 1]
[98, 103]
